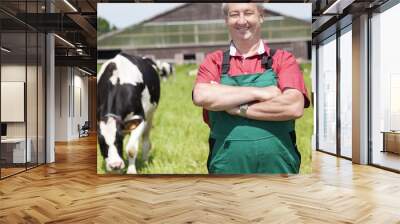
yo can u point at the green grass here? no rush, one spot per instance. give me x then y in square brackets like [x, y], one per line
[304, 126]
[179, 135]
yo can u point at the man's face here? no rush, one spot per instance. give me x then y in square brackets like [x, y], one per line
[244, 21]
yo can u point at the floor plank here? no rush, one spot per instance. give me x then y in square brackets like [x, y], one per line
[70, 191]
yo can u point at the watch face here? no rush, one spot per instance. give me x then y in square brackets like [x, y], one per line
[243, 109]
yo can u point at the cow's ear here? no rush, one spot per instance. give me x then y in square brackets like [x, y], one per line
[132, 124]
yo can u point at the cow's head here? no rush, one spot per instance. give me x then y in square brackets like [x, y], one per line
[112, 130]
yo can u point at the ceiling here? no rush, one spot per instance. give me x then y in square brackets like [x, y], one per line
[74, 22]
[328, 15]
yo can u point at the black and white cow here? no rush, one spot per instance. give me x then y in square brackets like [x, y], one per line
[128, 91]
[152, 63]
[165, 69]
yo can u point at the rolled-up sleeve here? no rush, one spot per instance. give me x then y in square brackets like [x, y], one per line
[210, 68]
[290, 75]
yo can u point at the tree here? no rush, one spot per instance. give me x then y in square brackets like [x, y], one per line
[103, 26]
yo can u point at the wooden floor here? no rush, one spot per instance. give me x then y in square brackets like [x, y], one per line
[70, 191]
[388, 159]
[10, 171]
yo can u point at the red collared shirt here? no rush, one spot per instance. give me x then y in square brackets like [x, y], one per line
[284, 64]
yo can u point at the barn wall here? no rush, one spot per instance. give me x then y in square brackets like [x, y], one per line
[299, 49]
[203, 12]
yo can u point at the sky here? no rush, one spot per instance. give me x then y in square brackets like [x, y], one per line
[123, 15]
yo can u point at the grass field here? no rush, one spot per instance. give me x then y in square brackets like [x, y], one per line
[179, 135]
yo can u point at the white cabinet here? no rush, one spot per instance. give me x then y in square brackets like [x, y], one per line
[18, 149]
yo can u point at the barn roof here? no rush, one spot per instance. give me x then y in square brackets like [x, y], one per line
[199, 14]
[155, 17]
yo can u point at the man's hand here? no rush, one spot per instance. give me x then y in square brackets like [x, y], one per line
[234, 111]
[218, 97]
[287, 106]
[283, 107]
[267, 93]
[263, 93]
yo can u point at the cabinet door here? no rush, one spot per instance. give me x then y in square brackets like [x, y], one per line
[393, 142]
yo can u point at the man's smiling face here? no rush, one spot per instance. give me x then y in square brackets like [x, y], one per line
[244, 21]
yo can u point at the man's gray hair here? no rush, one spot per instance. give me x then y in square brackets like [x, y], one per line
[260, 8]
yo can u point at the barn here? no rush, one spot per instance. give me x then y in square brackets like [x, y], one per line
[187, 33]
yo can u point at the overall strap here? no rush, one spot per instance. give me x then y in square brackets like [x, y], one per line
[225, 62]
[266, 61]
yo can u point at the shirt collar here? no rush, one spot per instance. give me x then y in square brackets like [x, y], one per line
[233, 51]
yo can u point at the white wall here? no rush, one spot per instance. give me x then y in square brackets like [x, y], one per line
[71, 93]
[61, 103]
[80, 102]
[13, 73]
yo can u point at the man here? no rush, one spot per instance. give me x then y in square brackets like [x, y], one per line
[251, 95]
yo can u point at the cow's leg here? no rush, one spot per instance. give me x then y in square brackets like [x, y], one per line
[133, 146]
[146, 145]
[108, 137]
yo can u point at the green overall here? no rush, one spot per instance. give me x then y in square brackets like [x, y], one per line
[240, 145]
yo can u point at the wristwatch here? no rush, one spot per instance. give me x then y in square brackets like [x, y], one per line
[243, 109]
